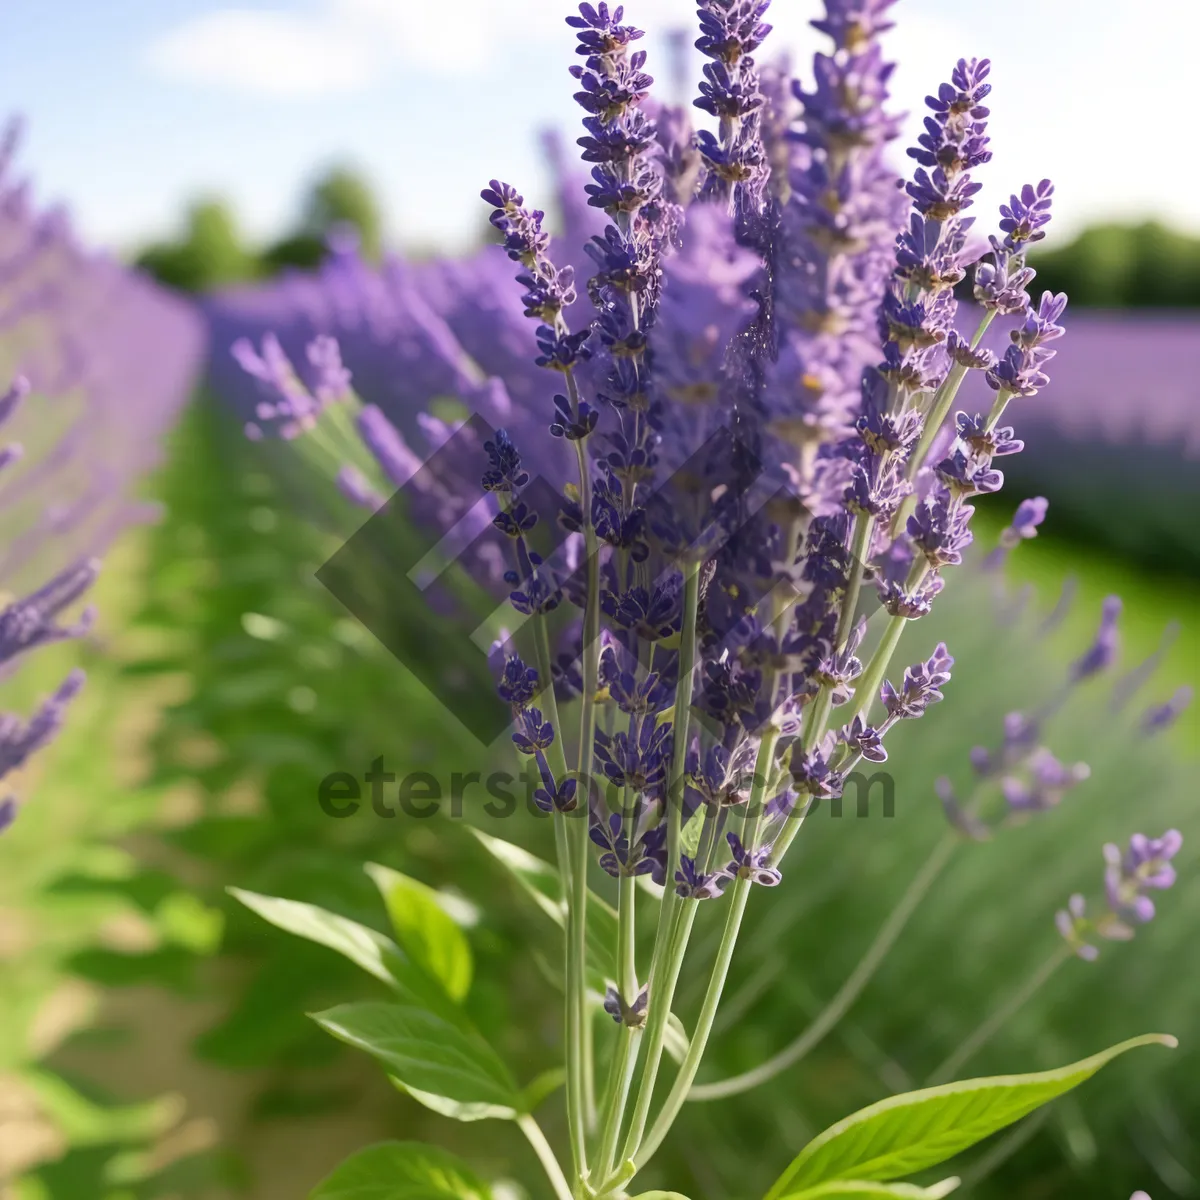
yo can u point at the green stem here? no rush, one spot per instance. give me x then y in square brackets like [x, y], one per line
[656, 1025]
[993, 1024]
[720, 972]
[671, 938]
[860, 551]
[872, 676]
[574, 880]
[620, 1081]
[943, 401]
[840, 1003]
[587, 742]
[537, 1139]
[712, 998]
[998, 407]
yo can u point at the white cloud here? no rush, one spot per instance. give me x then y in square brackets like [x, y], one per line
[348, 45]
[276, 53]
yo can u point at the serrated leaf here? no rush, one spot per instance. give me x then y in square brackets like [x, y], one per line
[540, 881]
[865, 1189]
[909, 1132]
[365, 947]
[425, 931]
[429, 1056]
[402, 1171]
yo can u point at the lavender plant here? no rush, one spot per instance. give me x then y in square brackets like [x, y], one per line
[70, 322]
[758, 395]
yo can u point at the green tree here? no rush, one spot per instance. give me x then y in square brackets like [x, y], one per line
[209, 255]
[1125, 266]
[339, 197]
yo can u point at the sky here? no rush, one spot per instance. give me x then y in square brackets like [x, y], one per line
[134, 107]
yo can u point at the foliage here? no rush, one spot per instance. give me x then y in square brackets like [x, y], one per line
[209, 254]
[212, 253]
[1147, 265]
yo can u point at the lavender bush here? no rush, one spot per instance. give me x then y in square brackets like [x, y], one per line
[71, 325]
[756, 434]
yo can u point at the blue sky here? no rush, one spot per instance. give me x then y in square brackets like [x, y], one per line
[134, 106]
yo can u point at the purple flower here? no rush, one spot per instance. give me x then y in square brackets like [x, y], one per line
[518, 683]
[29, 623]
[1024, 525]
[1047, 782]
[940, 529]
[563, 798]
[1029, 515]
[291, 404]
[864, 740]
[534, 733]
[754, 865]
[812, 772]
[921, 687]
[692, 884]
[632, 1015]
[1163, 716]
[1024, 217]
[20, 739]
[1073, 925]
[1105, 645]
[107, 359]
[1144, 866]
[647, 855]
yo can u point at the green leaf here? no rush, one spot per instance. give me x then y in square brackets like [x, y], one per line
[540, 881]
[910, 1132]
[660, 1196]
[865, 1189]
[456, 1110]
[425, 931]
[367, 948]
[429, 1057]
[543, 1086]
[402, 1171]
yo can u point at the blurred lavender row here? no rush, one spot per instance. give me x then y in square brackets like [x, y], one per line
[413, 336]
[1117, 451]
[109, 357]
[95, 363]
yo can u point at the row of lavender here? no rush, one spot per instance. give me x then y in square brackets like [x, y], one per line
[96, 363]
[1125, 419]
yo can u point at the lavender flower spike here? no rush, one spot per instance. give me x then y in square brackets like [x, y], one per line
[20, 739]
[1145, 865]
[1163, 716]
[1105, 646]
[730, 32]
[10, 401]
[26, 624]
[291, 403]
[1024, 525]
